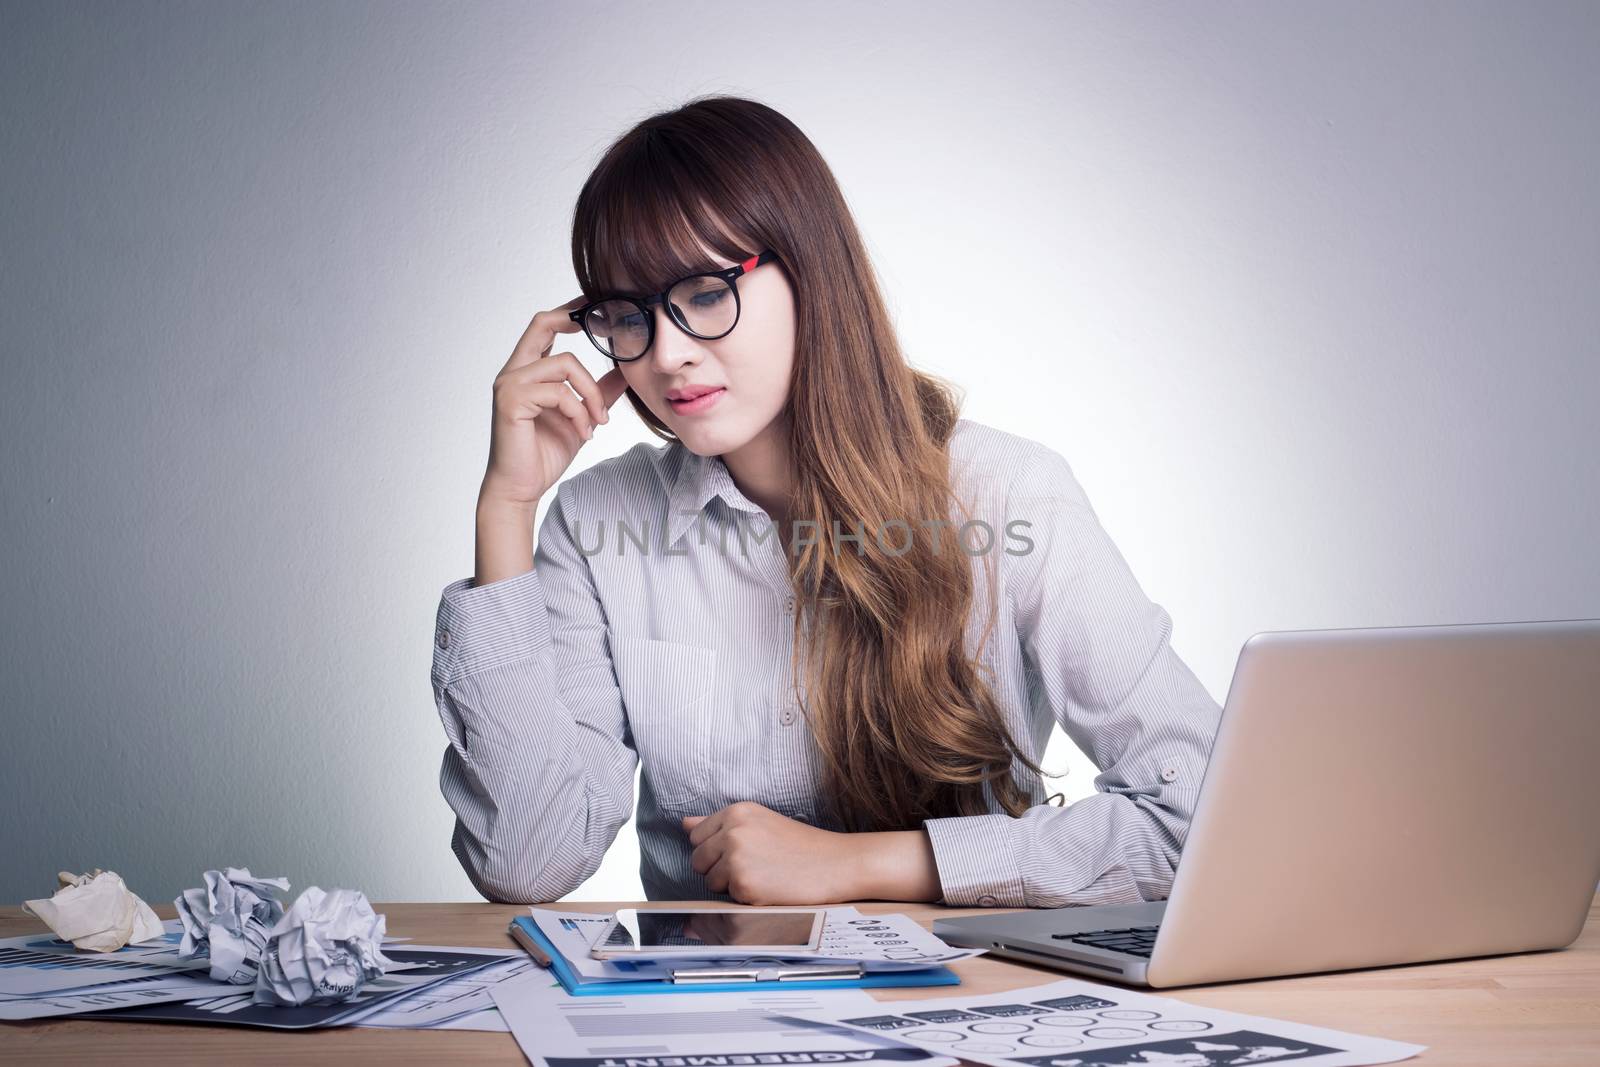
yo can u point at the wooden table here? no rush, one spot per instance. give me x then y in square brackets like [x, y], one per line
[1537, 1008]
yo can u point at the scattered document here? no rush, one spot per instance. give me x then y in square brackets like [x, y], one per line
[489, 1019]
[885, 942]
[879, 943]
[418, 968]
[1079, 1024]
[42, 976]
[108, 996]
[33, 964]
[715, 1029]
[461, 1002]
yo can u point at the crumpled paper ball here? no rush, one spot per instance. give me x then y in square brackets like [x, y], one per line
[96, 911]
[229, 918]
[323, 950]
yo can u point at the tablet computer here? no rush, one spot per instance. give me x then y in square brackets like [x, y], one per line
[702, 932]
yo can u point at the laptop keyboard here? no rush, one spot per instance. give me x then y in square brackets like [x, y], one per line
[1134, 940]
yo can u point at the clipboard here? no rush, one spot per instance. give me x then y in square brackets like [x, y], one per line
[525, 926]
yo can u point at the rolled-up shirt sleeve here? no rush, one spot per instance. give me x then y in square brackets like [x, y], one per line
[540, 765]
[1098, 652]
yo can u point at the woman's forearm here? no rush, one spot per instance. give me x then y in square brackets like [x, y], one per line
[504, 541]
[896, 865]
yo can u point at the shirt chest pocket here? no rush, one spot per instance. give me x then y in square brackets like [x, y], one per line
[666, 690]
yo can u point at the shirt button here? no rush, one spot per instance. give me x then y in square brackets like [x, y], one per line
[1169, 774]
[442, 638]
[987, 901]
[802, 817]
[788, 604]
[787, 717]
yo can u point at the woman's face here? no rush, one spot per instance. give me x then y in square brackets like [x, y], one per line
[750, 366]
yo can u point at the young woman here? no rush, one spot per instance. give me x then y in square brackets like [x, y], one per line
[839, 684]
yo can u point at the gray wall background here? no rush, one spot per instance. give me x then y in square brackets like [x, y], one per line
[1305, 292]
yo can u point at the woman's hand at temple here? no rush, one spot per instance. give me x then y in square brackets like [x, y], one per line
[545, 407]
[758, 856]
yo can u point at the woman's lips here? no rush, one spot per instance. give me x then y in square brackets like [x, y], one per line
[700, 403]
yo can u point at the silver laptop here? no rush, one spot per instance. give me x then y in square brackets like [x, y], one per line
[1373, 796]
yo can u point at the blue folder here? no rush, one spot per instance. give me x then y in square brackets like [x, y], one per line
[569, 979]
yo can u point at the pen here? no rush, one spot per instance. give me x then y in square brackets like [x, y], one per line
[528, 945]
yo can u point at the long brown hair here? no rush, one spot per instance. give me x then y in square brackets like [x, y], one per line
[908, 728]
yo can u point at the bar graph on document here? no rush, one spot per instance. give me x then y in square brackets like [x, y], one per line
[107, 996]
[24, 972]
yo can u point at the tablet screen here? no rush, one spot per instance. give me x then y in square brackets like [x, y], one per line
[676, 929]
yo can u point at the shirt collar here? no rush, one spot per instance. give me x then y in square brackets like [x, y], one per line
[698, 481]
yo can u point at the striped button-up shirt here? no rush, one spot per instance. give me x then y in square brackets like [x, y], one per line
[655, 630]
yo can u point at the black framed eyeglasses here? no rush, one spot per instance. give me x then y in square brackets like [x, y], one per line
[703, 305]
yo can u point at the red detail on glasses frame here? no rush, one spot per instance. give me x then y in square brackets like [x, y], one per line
[750, 264]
